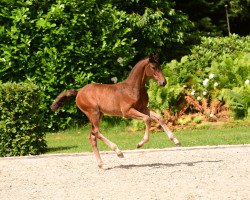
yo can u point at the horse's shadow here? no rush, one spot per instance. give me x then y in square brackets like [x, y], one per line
[161, 165]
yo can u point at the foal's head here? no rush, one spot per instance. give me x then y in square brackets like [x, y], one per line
[153, 70]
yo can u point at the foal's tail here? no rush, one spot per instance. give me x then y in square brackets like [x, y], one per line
[61, 98]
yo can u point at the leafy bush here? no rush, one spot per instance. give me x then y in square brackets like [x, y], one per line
[20, 122]
[218, 68]
[166, 97]
[65, 44]
[239, 100]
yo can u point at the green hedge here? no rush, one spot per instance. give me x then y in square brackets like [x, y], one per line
[20, 122]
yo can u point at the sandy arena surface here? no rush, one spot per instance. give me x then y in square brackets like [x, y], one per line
[196, 173]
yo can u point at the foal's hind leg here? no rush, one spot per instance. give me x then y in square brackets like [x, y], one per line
[95, 133]
[112, 145]
[93, 142]
[170, 134]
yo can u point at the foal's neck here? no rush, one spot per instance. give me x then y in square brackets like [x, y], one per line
[137, 77]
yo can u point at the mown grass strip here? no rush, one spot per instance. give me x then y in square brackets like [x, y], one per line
[76, 140]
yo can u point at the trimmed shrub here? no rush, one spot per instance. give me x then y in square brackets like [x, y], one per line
[20, 122]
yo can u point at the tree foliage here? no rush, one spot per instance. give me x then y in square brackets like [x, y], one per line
[209, 16]
[62, 44]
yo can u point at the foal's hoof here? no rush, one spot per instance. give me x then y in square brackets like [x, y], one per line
[138, 146]
[104, 167]
[120, 155]
[178, 144]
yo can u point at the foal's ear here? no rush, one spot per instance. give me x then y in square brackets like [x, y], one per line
[154, 57]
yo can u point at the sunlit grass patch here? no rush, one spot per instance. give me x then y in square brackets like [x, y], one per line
[76, 140]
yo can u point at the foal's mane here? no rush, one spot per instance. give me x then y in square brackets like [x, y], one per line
[137, 65]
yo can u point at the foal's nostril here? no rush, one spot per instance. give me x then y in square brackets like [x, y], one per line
[162, 83]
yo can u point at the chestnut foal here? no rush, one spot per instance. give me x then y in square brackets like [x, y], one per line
[125, 99]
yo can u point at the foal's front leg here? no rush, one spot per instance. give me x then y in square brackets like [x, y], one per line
[170, 134]
[146, 134]
[133, 113]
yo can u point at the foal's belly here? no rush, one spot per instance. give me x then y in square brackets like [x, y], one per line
[110, 107]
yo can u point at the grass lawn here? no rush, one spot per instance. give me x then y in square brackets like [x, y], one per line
[76, 140]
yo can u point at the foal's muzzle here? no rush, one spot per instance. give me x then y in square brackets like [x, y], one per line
[162, 83]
